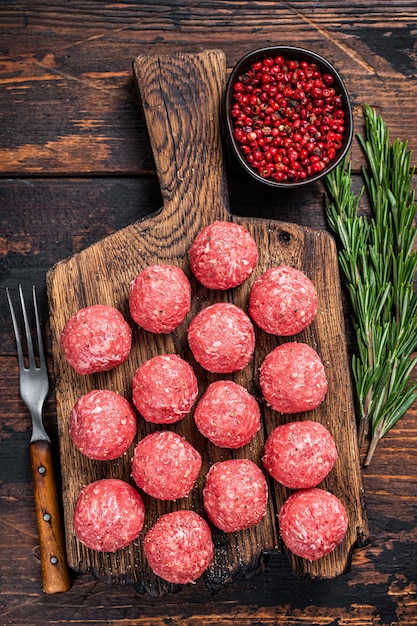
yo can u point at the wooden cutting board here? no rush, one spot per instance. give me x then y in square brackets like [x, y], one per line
[182, 97]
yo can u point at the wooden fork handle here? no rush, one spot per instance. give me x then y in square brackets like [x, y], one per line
[55, 571]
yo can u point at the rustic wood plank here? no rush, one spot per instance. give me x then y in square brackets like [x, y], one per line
[81, 211]
[67, 92]
[49, 219]
[89, 80]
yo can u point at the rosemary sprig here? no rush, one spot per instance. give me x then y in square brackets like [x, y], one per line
[378, 262]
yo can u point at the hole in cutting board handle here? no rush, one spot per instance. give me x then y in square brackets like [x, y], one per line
[284, 237]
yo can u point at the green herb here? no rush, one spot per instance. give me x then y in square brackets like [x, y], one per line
[378, 262]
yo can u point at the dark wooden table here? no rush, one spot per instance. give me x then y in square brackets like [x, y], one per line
[76, 165]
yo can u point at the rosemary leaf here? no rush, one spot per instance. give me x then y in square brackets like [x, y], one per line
[378, 262]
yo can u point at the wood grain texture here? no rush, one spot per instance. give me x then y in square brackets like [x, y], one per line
[76, 165]
[182, 96]
[55, 572]
[84, 66]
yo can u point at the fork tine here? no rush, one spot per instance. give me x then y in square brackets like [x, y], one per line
[16, 332]
[29, 342]
[42, 360]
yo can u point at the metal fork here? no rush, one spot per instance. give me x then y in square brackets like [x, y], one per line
[34, 388]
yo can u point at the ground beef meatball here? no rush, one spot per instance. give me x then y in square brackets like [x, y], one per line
[179, 547]
[312, 523]
[102, 424]
[292, 378]
[164, 389]
[223, 255]
[160, 298]
[299, 454]
[96, 339]
[165, 465]
[109, 514]
[221, 338]
[227, 414]
[283, 301]
[235, 495]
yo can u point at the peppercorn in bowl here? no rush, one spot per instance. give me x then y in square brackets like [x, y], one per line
[288, 116]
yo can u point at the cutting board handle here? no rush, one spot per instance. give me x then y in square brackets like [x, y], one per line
[182, 96]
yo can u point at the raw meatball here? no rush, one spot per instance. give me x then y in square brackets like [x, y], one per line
[299, 454]
[102, 424]
[221, 338]
[165, 465]
[179, 547]
[312, 523]
[109, 514]
[292, 378]
[160, 298]
[283, 301]
[164, 389]
[227, 414]
[223, 255]
[235, 495]
[96, 339]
